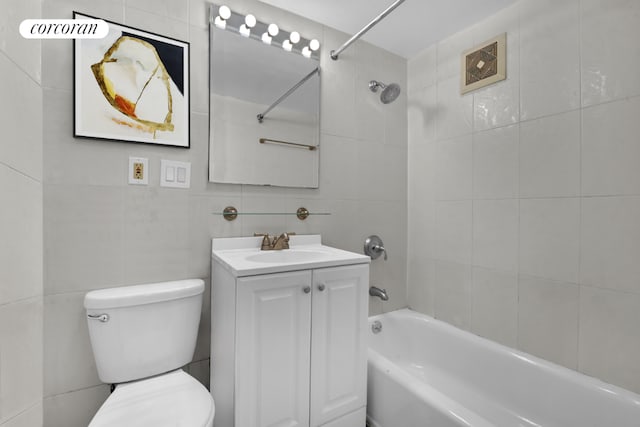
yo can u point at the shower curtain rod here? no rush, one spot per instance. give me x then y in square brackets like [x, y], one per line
[289, 92]
[335, 53]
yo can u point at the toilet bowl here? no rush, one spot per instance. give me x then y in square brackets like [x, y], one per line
[173, 399]
[141, 336]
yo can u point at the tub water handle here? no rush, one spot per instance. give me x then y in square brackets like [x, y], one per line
[374, 247]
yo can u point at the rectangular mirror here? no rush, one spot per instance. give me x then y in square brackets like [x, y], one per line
[250, 78]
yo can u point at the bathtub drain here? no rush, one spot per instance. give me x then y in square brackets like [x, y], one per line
[376, 327]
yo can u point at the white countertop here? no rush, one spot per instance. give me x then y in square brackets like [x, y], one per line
[242, 255]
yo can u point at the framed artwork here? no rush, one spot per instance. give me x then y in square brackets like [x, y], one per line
[131, 86]
[484, 64]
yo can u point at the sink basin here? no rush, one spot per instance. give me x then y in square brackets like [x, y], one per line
[287, 256]
[242, 255]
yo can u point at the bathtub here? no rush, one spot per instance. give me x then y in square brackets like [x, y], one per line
[423, 372]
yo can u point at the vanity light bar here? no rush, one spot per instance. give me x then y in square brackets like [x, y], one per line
[248, 26]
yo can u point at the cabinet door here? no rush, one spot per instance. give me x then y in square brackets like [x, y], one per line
[338, 342]
[273, 321]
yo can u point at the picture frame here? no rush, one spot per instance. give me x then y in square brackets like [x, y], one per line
[484, 64]
[132, 86]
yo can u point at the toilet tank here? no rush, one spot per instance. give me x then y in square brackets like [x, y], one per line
[143, 330]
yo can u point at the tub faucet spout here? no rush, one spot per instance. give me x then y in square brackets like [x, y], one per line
[380, 293]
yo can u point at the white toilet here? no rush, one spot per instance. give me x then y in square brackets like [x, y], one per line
[141, 336]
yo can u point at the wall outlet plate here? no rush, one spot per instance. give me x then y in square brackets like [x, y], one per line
[175, 174]
[138, 171]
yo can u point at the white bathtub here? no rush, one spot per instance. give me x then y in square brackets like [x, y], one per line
[424, 372]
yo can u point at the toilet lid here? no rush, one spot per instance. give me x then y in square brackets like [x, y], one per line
[175, 399]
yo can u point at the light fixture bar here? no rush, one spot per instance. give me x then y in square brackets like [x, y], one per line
[239, 24]
[338, 51]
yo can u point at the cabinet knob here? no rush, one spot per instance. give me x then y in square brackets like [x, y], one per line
[321, 287]
[306, 289]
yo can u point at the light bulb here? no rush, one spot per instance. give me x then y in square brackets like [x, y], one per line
[224, 12]
[273, 30]
[314, 45]
[294, 37]
[266, 38]
[306, 52]
[250, 20]
[286, 45]
[220, 23]
[244, 30]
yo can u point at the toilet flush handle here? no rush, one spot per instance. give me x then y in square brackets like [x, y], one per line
[104, 317]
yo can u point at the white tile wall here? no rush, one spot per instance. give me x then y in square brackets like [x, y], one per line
[75, 408]
[610, 245]
[495, 234]
[609, 345]
[495, 163]
[550, 156]
[499, 105]
[453, 293]
[549, 57]
[453, 234]
[548, 319]
[453, 160]
[610, 147]
[454, 112]
[66, 344]
[548, 236]
[99, 232]
[21, 146]
[609, 52]
[495, 305]
[21, 251]
[20, 356]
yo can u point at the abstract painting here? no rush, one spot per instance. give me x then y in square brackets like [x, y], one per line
[132, 86]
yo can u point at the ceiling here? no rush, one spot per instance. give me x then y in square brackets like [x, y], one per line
[413, 26]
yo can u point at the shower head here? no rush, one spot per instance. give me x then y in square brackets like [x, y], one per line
[389, 92]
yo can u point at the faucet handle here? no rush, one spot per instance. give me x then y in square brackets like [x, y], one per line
[374, 247]
[266, 240]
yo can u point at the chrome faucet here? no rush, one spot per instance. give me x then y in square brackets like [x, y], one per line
[380, 293]
[276, 243]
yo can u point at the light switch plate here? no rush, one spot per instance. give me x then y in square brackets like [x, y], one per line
[175, 174]
[138, 171]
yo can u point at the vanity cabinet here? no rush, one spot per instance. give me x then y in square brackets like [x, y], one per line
[289, 348]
